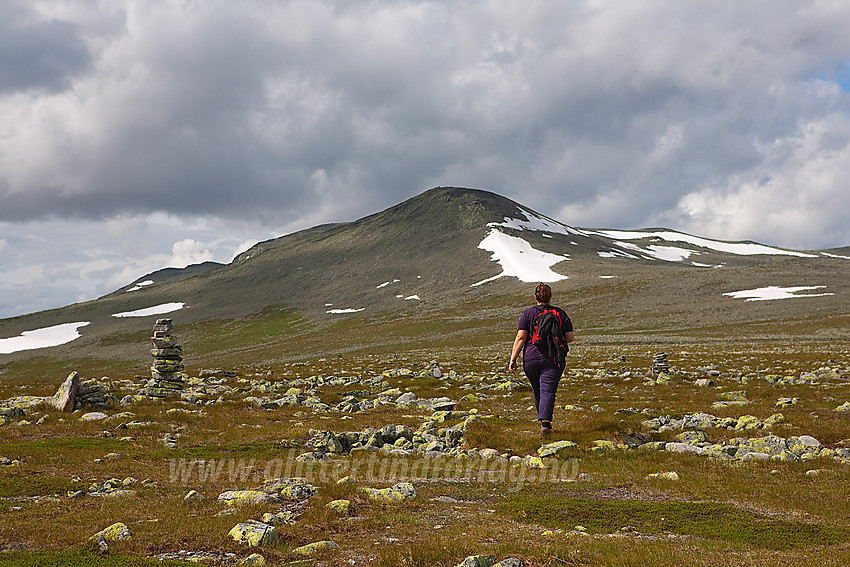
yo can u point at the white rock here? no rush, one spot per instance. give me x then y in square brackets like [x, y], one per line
[683, 448]
[93, 416]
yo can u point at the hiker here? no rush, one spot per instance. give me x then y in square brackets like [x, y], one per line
[543, 367]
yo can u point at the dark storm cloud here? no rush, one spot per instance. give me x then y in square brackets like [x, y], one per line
[38, 55]
[715, 118]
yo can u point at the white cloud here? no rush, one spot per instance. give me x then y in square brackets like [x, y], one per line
[163, 118]
[188, 251]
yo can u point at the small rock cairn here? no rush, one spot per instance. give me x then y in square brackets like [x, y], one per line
[659, 364]
[92, 394]
[167, 369]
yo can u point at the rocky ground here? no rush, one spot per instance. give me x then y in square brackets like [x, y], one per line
[434, 458]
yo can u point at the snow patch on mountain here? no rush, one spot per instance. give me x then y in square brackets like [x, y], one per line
[537, 223]
[42, 338]
[161, 309]
[140, 285]
[520, 260]
[347, 310]
[775, 292]
[738, 248]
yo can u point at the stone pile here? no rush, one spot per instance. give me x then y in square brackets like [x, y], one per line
[167, 368]
[93, 395]
[659, 364]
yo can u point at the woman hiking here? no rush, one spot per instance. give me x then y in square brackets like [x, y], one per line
[543, 368]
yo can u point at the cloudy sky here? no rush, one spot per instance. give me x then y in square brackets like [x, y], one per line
[136, 135]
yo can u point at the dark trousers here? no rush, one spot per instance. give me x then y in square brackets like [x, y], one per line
[544, 376]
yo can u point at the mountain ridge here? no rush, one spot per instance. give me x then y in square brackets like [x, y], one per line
[417, 263]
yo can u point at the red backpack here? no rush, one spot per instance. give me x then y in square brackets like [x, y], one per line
[547, 334]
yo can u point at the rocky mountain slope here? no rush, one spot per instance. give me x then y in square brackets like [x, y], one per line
[455, 259]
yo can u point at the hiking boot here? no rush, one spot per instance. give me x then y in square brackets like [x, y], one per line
[545, 432]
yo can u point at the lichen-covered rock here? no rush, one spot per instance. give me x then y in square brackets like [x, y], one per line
[341, 506]
[243, 497]
[398, 493]
[747, 422]
[93, 416]
[734, 396]
[603, 445]
[254, 533]
[532, 462]
[253, 560]
[845, 407]
[669, 475]
[774, 419]
[554, 449]
[66, 395]
[692, 437]
[278, 518]
[315, 547]
[296, 488]
[477, 561]
[509, 562]
[683, 448]
[194, 496]
[116, 532]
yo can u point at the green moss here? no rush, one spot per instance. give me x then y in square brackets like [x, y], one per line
[703, 519]
[77, 558]
[55, 445]
[11, 486]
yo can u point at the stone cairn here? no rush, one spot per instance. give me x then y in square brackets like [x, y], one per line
[167, 369]
[92, 394]
[659, 364]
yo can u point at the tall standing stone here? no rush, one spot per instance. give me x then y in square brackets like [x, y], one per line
[66, 395]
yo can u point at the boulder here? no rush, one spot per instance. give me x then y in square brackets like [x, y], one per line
[554, 449]
[278, 518]
[194, 496]
[116, 532]
[242, 497]
[93, 416]
[65, 397]
[291, 488]
[477, 561]
[254, 533]
[254, 560]
[341, 506]
[398, 493]
[315, 547]
[683, 448]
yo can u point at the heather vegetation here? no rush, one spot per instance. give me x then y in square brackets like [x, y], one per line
[463, 436]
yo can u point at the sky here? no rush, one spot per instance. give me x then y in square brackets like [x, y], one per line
[137, 135]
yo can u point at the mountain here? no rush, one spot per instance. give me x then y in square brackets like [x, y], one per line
[443, 268]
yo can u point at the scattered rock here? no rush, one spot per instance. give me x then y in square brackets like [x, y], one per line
[254, 533]
[398, 493]
[253, 560]
[341, 506]
[555, 449]
[669, 475]
[65, 397]
[477, 561]
[93, 416]
[315, 547]
[243, 497]
[194, 496]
